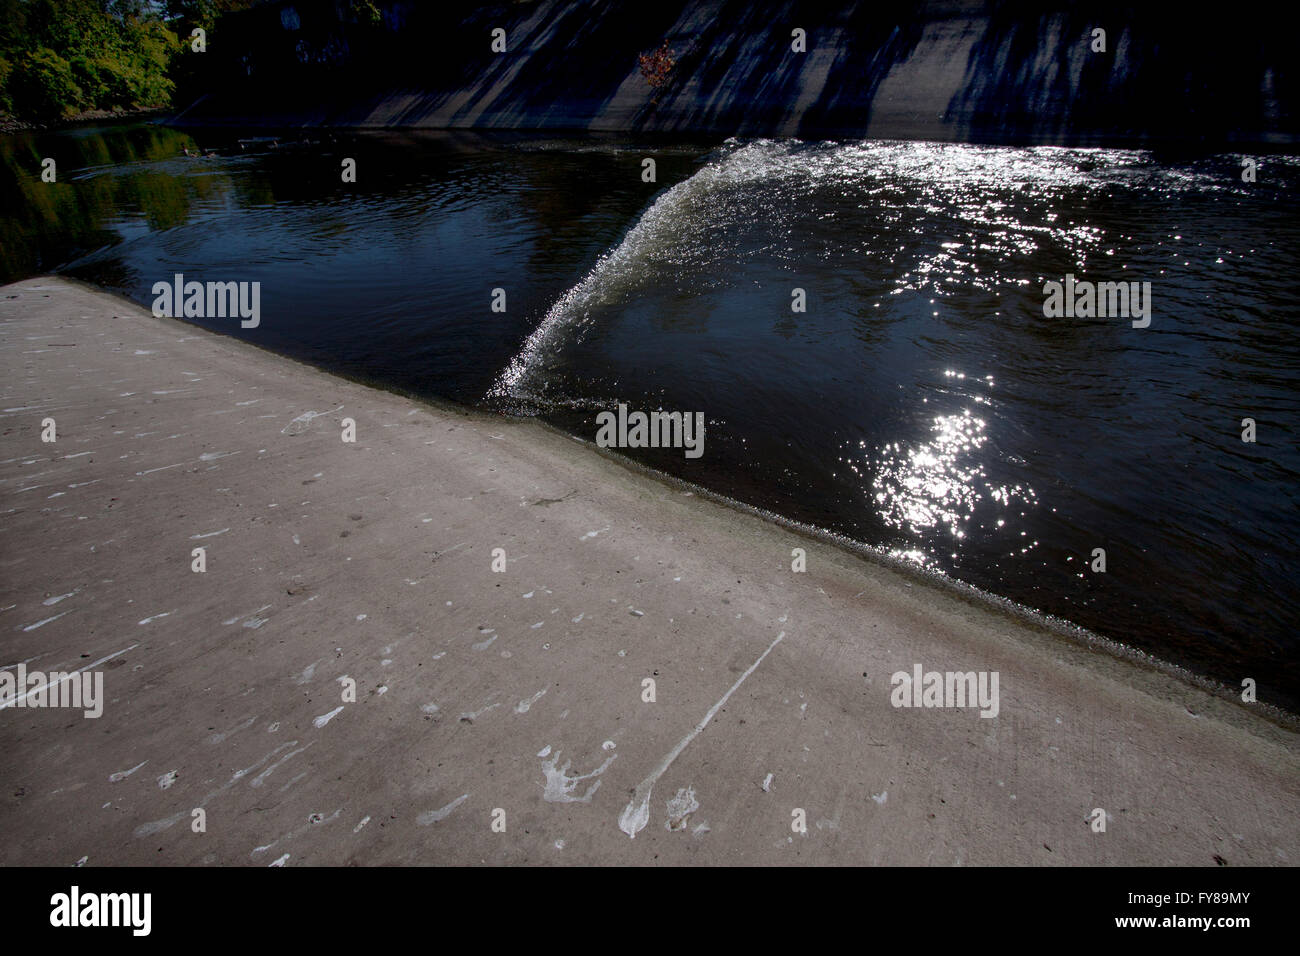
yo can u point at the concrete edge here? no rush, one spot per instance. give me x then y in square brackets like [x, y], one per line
[1156, 677]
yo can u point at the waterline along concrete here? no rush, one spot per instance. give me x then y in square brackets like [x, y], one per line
[458, 638]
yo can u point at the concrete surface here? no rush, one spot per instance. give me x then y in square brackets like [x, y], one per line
[518, 691]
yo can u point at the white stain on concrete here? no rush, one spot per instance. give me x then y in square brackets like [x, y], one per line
[680, 807]
[433, 816]
[13, 701]
[324, 719]
[303, 422]
[221, 737]
[560, 786]
[32, 627]
[260, 779]
[123, 774]
[254, 622]
[636, 814]
[232, 620]
[470, 716]
[525, 705]
[307, 673]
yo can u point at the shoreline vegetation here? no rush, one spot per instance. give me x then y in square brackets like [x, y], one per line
[70, 61]
[9, 124]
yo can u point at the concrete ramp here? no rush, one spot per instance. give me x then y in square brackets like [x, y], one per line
[349, 680]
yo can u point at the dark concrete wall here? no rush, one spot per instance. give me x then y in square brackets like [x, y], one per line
[955, 70]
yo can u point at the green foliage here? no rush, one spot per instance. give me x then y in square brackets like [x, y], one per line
[44, 86]
[203, 13]
[364, 11]
[61, 57]
[6, 68]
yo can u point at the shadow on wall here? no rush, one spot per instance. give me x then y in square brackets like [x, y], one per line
[1164, 75]
[1028, 74]
[741, 74]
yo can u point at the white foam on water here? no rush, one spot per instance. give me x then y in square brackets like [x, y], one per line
[670, 229]
[692, 226]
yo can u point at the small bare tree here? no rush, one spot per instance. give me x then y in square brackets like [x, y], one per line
[657, 68]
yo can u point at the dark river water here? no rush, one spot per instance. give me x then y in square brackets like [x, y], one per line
[921, 403]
